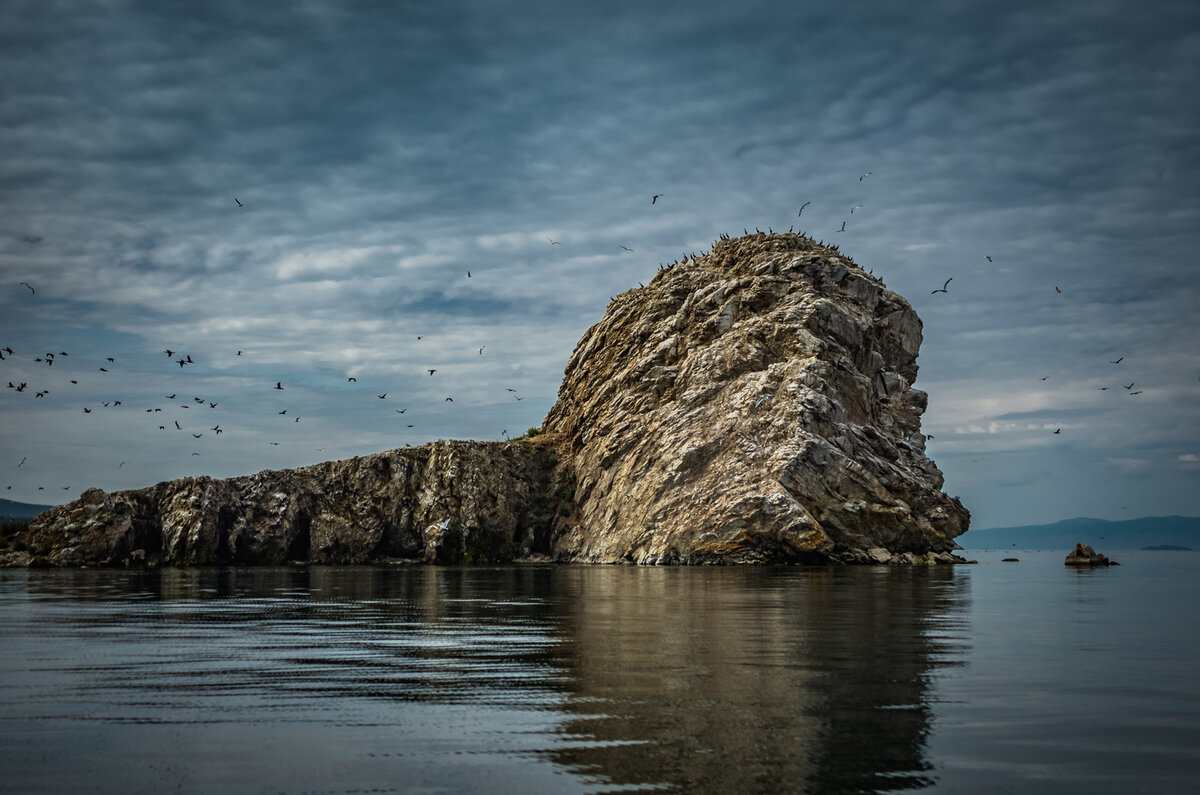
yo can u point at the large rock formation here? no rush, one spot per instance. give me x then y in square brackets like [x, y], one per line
[754, 404]
[751, 405]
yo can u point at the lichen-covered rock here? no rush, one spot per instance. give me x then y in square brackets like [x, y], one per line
[753, 404]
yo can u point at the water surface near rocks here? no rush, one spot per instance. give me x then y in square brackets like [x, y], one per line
[1001, 677]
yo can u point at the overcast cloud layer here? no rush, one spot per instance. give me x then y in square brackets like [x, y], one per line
[383, 150]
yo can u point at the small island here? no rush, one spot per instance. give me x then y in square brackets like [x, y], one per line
[753, 404]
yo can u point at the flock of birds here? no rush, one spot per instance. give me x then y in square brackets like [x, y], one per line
[190, 423]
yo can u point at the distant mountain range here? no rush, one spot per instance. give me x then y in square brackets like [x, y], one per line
[1100, 534]
[20, 511]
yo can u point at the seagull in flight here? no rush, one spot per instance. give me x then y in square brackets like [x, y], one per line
[1118, 361]
[431, 372]
[279, 385]
[986, 257]
[943, 288]
[627, 248]
[802, 206]
[855, 207]
[26, 284]
[860, 179]
[383, 396]
[655, 197]
[1131, 383]
[843, 229]
[554, 242]
[239, 204]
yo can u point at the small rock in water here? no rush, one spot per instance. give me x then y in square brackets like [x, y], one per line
[1083, 555]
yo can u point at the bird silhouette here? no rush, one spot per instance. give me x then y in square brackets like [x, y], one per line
[554, 242]
[943, 287]
[1059, 430]
[843, 229]
[279, 385]
[986, 257]
[26, 284]
[351, 378]
[1056, 289]
[448, 400]
[802, 206]
[481, 347]
[855, 207]
[239, 204]
[1131, 383]
[431, 372]
[655, 197]
[627, 248]
[1118, 361]
[383, 396]
[468, 274]
[178, 427]
[860, 179]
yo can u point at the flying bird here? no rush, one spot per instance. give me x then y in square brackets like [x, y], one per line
[22, 461]
[1059, 430]
[26, 284]
[481, 347]
[1136, 393]
[197, 435]
[169, 353]
[802, 206]
[655, 197]
[1118, 361]
[843, 229]
[943, 288]
[448, 400]
[1131, 383]
[351, 378]
[1056, 289]
[178, 427]
[855, 207]
[431, 372]
[627, 248]
[554, 242]
[986, 257]
[239, 204]
[860, 179]
[468, 274]
[279, 385]
[383, 396]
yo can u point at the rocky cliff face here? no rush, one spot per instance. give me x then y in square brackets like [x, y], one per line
[751, 405]
[754, 404]
[446, 502]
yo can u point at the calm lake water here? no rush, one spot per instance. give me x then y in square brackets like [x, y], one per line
[1002, 677]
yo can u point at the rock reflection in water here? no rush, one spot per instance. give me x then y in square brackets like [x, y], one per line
[506, 679]
[744, 679]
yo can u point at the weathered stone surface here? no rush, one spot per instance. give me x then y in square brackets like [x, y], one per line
[754, 404]
[490, 502]
[751, 405]
[1084, 555]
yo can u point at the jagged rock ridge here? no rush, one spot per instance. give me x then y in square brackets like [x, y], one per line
[750, 405]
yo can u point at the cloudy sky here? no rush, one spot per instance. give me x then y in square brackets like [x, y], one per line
[381, 150]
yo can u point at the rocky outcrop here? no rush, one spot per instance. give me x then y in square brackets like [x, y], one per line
[751, 405]
[1084, 555]
[446, 502]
